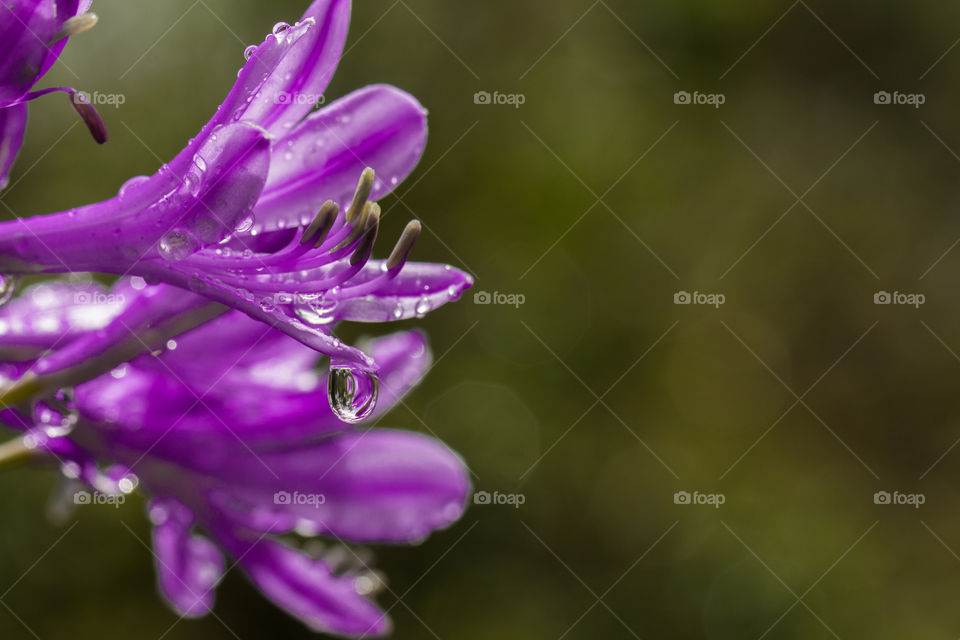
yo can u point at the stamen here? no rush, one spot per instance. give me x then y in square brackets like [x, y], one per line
[89, 116]
[75, 25]
[360, 196]
[321, 224]
[404, 245]
[365, 246]
[359, 225]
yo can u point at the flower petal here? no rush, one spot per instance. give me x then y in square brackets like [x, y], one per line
[419, 288]
[378, 126]
[188, 566]
[13, 123]
[305, 587]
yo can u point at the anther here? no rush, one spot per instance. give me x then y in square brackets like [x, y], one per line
[362, 253]
[73, 26]
[320, 226]
[81, 104]
[359, 224]
[360, 196]
[404, 245]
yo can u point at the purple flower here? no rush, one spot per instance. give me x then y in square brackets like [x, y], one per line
[227, 429]
[32, 36]
[268, 209]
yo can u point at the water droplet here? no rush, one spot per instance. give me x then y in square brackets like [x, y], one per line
[280, 27]
[352, 392]
[200, 162]
[318, 311]
[128, 484]
[246, 223]
[8, 287]
[423, 305]
[249, 51]
[56, 416]
[176, 245]
[127, 187]
[267, 304]
[398, 311]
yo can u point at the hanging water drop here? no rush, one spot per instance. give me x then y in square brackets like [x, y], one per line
[352, 392]
[8, 287]
[176, 245]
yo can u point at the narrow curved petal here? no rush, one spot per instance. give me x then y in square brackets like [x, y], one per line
[305, 587]
[418, 289]
[188, 566]
[403, 359]
[378, 126]
[13, 123]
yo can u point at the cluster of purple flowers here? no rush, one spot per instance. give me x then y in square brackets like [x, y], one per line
[195, 376]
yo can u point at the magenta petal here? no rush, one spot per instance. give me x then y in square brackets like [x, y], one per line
[403, 359]
[188, 566]
[13, 123]
[298, 81]
[306, 587]
[378, 126]
[419, 288]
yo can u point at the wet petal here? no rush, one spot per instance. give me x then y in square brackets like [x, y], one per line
[378, 126]
[13, 122]
[306, 587]
[418, 289]
[188, 566]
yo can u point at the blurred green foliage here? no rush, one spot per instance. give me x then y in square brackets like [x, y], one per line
[598, 399]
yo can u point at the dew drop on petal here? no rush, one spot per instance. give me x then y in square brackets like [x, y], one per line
[8, 287]
[317, 311]
[177, 244]
[248, 52]
[423, 305]
[352, 392]
[280, 27]
[56, 416]
[245, 224]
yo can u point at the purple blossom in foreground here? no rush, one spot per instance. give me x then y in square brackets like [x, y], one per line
[32, 36]
[227, 428]
[267, 210]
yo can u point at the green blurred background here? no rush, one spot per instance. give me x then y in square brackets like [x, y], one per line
[598, 399]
